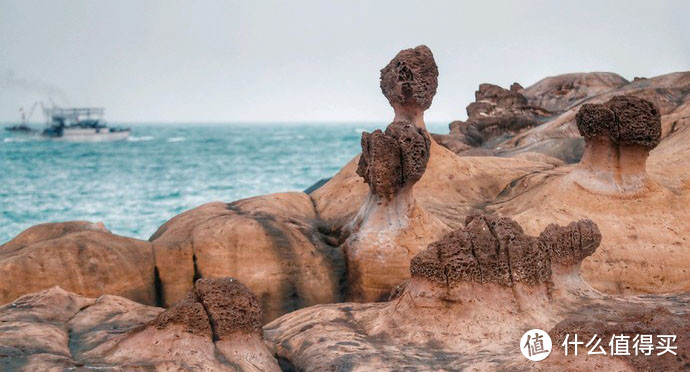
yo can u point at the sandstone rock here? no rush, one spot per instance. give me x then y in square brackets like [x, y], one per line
[390, 226]
[559, 93]
[273, 243]
[447, 318]
[644, 227]
[409, 82]
[496, 115]
[618, 135]
[80, 256]
[629, 321]
[215, 328]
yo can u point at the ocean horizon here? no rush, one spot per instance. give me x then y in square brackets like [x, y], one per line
[164, 169]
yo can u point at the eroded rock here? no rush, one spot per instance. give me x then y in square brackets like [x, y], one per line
[411, 78]
[300, 263]
[216, 327]
[618, 136]
[390, 227]
[395, 159]
[493, 249]
[79, 256]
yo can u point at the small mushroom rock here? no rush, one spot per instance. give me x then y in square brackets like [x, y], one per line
[409, 82]
[495, 251]
[640, 212]
[217, 326]
[390, 226]
[618, 137]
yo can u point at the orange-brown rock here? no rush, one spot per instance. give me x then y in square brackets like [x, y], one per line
[275, 244]
[409, 82]
[80, 256]
[390, 226]
[619, 135]
[460, 311]
[215, 328]
[636, 197]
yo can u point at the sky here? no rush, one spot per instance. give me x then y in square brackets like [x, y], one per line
[312, 61]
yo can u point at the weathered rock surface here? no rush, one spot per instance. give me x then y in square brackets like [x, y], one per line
[560, 97]
[496, 115]
[215, 328]
[390, 226]
[274, 244]
[409, 82]
[80, 256]
[460, 310]
[637, 202]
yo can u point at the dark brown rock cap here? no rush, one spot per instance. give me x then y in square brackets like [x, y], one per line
[492, 249]
[624, 119]
[394, 159]
[411, 78]
[215, 308]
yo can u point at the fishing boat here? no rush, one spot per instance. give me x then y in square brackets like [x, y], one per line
[83, 124]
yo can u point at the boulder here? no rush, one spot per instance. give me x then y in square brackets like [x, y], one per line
[273, 243]
[79, 256]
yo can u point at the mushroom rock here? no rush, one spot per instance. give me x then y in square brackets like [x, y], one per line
[471, 296]
[79, 256]
[619, 135]
[217, 326]
[390, 227]
[451, 186]
[409, 82]
[645, 248]
[275, 244]
[565, 94]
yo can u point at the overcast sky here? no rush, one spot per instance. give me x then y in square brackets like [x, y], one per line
[279, 61]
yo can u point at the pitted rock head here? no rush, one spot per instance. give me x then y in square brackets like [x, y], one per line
[625, 119]
[215, 308]
[571, 244]
[491, 249]
[393, 159]
[410, 78]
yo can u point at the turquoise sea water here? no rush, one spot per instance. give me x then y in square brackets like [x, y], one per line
[135, 186]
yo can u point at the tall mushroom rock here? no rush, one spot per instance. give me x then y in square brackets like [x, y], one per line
[619, 135]
[390, 226]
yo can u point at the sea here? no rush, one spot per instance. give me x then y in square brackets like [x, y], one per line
[134, 186]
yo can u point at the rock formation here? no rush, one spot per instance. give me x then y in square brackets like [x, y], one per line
[471, 296]
[644, 248]
[409, 82]
[274, 243]
[450, 186]
[80, 256]
[619, 135]
[390, 227]
[496, 115]
[217, 327]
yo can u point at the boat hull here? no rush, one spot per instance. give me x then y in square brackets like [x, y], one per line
[91, 135]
